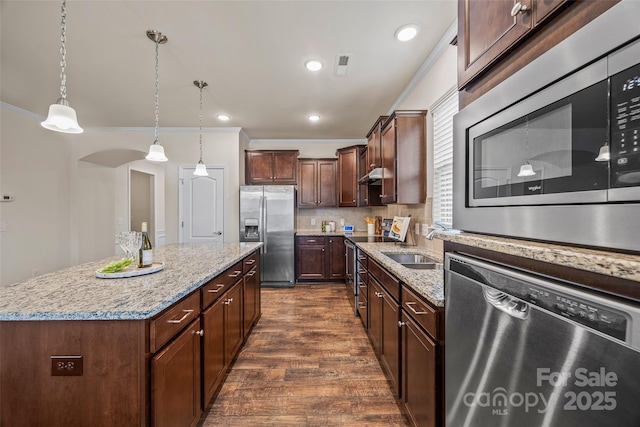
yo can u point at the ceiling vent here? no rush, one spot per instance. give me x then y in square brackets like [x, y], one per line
[342, 62]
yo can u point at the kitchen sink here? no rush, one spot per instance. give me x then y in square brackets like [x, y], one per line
[417, 261]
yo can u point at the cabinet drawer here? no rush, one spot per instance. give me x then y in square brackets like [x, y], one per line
[390, 283]
[249, 262]
[311, 240]
[362, 259]
[219, 284]
[173, 320]
[422, 313]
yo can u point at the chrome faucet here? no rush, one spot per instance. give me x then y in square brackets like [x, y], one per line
[440, 227]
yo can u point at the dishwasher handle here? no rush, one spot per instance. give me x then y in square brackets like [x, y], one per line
[506, 303]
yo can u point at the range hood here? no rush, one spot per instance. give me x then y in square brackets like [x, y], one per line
[372, 177]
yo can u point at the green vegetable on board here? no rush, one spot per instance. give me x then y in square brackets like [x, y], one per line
[116, 266]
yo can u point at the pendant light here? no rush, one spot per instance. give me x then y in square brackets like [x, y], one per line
[526, 169]
[156, 151]
[201, 169]
[62, 118]
[604, 155]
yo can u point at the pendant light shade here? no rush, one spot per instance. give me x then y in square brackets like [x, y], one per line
[201, 168]
[526, 170]
[603, 155]
[156, 151]
[61, 117]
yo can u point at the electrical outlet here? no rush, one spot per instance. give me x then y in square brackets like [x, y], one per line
[342, 222]
[425, 230]
[66, 366]
[313, 221]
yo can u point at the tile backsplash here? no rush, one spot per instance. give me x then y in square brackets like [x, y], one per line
[420, 213]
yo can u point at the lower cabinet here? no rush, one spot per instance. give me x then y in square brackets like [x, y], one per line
[419, 374]
[407, 335]
[320, 258]
[384, 315]
[251, 299]
[213, 360]
[175, 381]
[233, 326]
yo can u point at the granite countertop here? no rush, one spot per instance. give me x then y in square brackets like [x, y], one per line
[624, 266]
[76, 294]
[427, 283]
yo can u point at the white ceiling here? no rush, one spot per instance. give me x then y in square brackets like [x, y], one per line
[251, 53]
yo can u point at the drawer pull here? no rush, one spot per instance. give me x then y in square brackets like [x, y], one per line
[186, 314]
[411, 304]
[311, 241]
[362, 271]
[215, 291]
[200, 332]
[235, 274]
[251, 273]
[251, 261]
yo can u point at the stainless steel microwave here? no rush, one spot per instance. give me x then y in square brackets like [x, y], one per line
[553, 152]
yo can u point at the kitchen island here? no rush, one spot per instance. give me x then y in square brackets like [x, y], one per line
[77, 350]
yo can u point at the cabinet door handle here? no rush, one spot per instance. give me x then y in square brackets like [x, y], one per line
[401, 324]
[229, 301]
[186, 314]
[518, 8]
[235, 274]
[215, 291]
[354, 200]
[200, 332]
[322, 249]
[411, 304]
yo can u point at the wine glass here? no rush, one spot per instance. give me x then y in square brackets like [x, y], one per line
[121, 239]
[135, 241]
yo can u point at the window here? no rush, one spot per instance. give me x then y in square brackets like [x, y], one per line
[443, 158]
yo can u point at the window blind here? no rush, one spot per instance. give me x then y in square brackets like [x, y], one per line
[443, 158]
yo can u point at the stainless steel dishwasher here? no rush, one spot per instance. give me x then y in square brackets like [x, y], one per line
[529, 351]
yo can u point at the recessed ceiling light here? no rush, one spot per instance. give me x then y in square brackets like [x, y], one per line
[224, 117]
[407, 32]
[313, 65]
[314, 117]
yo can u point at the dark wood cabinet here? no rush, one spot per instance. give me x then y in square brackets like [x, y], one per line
[368, 192]
[175, 381]
[349, 173]
[317, 186]
[374, 146]
[320, 258]
[310, 258]
[336, 258]
[493, 44]
[271, 167]
[251, 299]
[213, 360]
[404, 148]
[233, 326]
[420, 376]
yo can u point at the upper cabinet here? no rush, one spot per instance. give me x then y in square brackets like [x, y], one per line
[404, 147]
[498, 37]
[348, 174]
[271, 167]
[374, 146]
[317, 183]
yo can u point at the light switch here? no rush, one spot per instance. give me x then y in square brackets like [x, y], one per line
[313, 221]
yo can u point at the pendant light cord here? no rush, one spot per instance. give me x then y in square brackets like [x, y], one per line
[156, 101]
[63, 51]
[200, 123]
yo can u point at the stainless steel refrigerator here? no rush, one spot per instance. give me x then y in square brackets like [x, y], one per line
[267, 214]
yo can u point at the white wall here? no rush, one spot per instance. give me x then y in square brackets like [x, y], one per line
[36, 169]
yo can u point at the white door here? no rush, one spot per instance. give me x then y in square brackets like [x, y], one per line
[202, 206]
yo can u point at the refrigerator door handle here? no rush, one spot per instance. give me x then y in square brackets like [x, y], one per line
[263, 209]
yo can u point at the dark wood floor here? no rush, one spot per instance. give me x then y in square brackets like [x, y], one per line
[308, 362]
